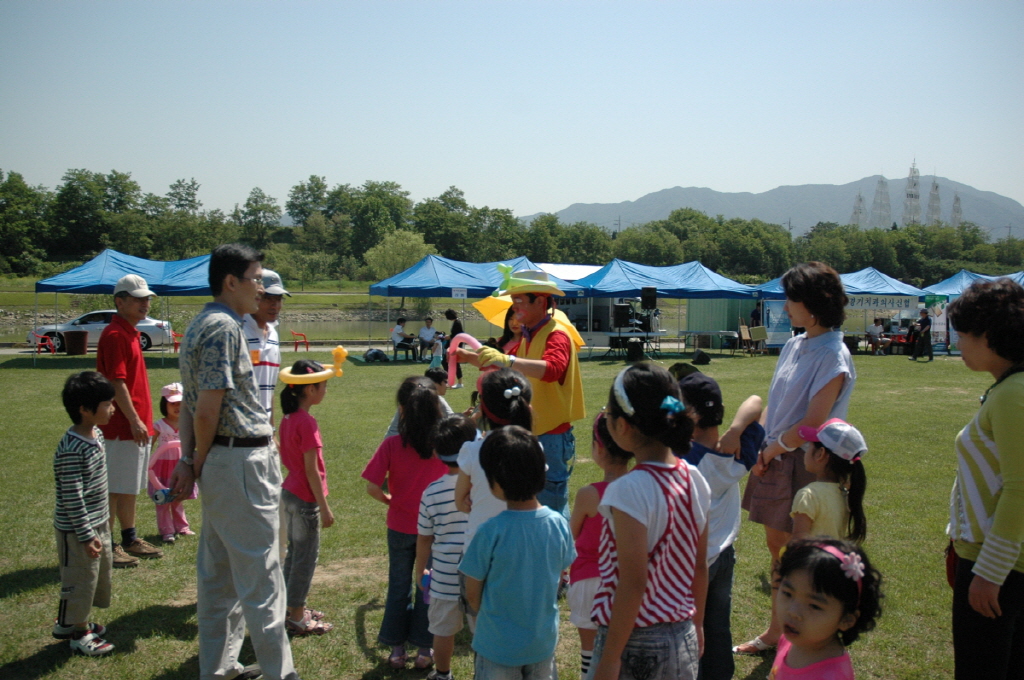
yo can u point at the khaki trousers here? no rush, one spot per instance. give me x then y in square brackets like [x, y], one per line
[238, 566]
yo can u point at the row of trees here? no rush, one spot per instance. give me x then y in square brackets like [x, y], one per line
[375, 230]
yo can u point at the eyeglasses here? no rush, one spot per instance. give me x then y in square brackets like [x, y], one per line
[258, 280]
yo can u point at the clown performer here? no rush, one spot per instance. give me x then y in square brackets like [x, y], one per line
[547, 357]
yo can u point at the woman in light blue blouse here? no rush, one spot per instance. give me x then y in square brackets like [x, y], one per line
[812, 383]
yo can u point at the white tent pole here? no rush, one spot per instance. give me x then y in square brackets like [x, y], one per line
[35, 324]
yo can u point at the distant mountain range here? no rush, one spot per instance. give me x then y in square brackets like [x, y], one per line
[804, 206]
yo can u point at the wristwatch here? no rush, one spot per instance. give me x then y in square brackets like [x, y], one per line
[188, 460]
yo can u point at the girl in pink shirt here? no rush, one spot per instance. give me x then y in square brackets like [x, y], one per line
[407, 463]
[586, 524]
[303, 496]
[829, 595]
[170, 517]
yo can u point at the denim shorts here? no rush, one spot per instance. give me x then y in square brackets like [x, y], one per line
[485, 669]
[666, 651]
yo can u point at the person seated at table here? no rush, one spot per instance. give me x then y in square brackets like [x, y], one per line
[401, 340]
[875, 340]
[427, 335]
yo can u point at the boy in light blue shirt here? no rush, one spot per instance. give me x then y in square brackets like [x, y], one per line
[514, 562]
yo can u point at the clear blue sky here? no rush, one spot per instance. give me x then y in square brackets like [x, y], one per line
[530, 106]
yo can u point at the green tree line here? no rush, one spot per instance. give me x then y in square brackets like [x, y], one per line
[375, 230]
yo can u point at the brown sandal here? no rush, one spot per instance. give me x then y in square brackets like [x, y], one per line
[308, 626]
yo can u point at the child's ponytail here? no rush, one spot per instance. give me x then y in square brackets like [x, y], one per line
[291, 395]
[505, 399]
[851, 475]
[421, 409]
[855, 498]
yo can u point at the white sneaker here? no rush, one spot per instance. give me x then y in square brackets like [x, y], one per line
[91, 644]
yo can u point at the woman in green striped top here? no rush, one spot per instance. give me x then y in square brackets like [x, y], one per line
[987, 503]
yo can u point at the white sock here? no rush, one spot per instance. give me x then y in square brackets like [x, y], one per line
[585, 657]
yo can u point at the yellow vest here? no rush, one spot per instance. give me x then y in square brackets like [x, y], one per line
[554, 403]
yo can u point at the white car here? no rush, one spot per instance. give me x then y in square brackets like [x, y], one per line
[153, 332]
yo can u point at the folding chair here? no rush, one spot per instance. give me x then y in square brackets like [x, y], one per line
[758, 340]
[745, 341]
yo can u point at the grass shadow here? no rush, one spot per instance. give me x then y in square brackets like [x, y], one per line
[369, 650]
[123, 632]
[82, 363]
[761, 670]
[175, 621]
[189, 668]
[44, 662]
[24, 580]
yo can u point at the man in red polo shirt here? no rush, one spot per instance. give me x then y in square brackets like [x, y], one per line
[119, 359]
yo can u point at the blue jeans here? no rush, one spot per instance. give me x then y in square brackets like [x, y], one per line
[485, 669]
[666, 651]
[405, 619]
[717, 662]
[303, 523]
[559, 454]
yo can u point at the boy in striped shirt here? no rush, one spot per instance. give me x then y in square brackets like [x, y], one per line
[82, 512]
[442, 532]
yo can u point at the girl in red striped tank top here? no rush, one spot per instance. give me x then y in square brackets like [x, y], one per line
[653, 565]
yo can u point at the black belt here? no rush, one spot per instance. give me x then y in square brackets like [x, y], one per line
[241, 442]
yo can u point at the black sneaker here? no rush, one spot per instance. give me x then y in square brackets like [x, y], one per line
[250, 673]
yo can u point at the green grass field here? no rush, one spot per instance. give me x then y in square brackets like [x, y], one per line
[908, 412]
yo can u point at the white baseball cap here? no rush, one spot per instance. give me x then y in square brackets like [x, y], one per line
[272, 283]
[839, 437]
[134, 285]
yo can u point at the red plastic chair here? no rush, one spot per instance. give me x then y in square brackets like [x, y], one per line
[44, 341]
[296, 336]
[177, 339]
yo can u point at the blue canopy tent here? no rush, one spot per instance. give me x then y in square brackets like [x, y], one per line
[860, 285]
[690, 280]
[957, 283]
[867, 281]
[436, 276]
[99, 275]
[870, 281]
[620, 278]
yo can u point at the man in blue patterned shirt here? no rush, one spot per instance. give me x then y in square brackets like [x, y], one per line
[226, 443]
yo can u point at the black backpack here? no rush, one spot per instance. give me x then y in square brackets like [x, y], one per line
[375, 355]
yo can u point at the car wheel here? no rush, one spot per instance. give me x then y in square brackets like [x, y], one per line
[145, 341]
[58, 340]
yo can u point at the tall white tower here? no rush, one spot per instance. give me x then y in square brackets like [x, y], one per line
[958, 215]
[934, 208]
[912, 197]
[858, 211]
[881, 213]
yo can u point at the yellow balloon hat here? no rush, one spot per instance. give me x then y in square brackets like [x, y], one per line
[339, 353]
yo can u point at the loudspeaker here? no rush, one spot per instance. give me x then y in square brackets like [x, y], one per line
[648, 297]
[620, 316]
[634, 350]
[701, 358]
